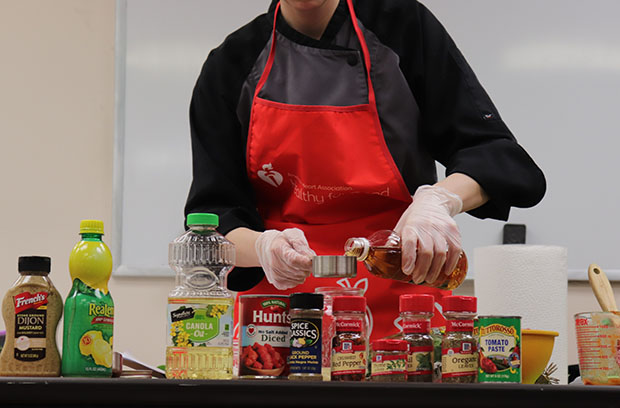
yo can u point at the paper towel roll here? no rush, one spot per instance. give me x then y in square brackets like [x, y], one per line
[528, 281]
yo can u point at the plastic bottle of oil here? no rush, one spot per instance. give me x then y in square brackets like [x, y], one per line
[200, 308]
[381, 253]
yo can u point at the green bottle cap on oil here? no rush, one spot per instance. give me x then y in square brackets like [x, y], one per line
[203, 219]
[91, 227]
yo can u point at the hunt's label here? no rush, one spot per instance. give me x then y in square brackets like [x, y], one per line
[30, 326]
[305, 354]
[264, 322]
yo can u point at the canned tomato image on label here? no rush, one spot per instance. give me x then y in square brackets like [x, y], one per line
[264, 323]
[499, 348]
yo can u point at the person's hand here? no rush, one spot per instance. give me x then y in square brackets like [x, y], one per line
[285, 257]
[430, 238]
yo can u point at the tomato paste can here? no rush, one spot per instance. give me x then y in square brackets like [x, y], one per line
[264, 344]
[499, 348]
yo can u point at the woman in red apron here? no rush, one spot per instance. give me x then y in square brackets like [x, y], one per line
[324, 173]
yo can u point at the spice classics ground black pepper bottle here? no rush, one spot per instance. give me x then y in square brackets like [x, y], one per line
[349, 345]
[416, 312]
[459, 354]
[305, 358]
[389, 360]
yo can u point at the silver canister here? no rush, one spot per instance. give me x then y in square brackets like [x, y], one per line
[334, 266]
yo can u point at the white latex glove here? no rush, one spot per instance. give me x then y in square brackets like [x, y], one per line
[285, 257]
[430, 238]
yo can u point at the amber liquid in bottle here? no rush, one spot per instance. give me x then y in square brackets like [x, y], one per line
[385, 262]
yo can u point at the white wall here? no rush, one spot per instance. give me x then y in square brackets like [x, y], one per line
[56, 156]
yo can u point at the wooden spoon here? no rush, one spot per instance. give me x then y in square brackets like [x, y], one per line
[602, 288]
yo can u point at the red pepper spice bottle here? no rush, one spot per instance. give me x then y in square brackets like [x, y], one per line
[349, 345]
[416, 312]
[389, 360]
[459, 350]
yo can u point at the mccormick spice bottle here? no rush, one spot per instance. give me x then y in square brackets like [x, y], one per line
[305, 359]
[381, 254]
[31, 311]
[389, 360]
[416, 312]
[349, 345]
[459, 354]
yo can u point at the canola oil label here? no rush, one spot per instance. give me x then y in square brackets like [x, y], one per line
[200, 324]
[499, 348]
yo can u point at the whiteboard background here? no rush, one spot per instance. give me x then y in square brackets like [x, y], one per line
[552, 68]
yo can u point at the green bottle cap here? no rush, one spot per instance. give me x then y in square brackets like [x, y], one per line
[203, 219]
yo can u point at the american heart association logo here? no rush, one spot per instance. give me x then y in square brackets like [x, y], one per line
[251, 330]
[270, 176]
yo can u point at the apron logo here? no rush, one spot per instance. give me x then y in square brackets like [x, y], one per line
[270, 176]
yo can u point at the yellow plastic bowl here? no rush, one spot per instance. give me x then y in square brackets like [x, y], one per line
[536, 349]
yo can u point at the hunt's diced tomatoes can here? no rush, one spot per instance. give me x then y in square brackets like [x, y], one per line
[264, 324]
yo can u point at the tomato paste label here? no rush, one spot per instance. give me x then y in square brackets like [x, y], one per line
[388, 364]
[30, 326]
[349, 358]
[499, 348]
[419, 360]
[264, 331]
[305, 356]
[206, 324]
[459, 361]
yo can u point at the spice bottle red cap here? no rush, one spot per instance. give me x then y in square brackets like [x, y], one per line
[459, 304]
[416, 303]
[390, 345]
[349, 304]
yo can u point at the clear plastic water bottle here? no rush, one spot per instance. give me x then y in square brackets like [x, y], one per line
[200, 307]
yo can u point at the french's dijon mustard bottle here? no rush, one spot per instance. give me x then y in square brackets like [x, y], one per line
[31, 311]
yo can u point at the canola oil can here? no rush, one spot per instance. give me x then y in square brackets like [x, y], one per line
[499, 348]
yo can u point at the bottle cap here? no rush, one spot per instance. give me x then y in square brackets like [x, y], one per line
[91, 227]
[390, 345]
[203, 219]
[416, 303]
[459, 304]
[349, 304]
[306, 301]
[34, 263]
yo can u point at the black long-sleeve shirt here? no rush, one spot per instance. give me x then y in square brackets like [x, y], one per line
[458, 124]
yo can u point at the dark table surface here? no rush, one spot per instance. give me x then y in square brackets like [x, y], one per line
[113, 392]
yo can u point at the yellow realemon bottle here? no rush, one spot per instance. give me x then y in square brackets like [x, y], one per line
[200, 308]
[89, 308]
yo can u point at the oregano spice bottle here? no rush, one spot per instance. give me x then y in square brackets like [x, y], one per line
[459, 350]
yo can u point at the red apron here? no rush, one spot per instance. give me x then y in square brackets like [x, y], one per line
[327, 170]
